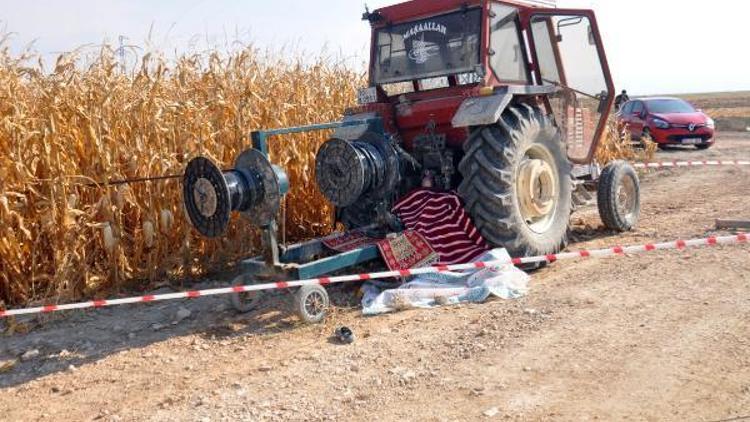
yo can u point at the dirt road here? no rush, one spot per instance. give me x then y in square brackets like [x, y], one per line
[657, 337]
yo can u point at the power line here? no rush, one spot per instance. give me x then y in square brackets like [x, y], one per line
[132, 181]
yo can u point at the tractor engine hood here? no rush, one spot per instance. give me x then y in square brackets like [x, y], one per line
[414, 113]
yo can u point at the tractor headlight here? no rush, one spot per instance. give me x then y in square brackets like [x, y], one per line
[661, 124]
[367, 95]
[710, 123]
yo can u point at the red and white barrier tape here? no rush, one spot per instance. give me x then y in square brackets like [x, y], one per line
[324, 281]
[704, 163]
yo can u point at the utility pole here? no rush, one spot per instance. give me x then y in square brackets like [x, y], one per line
[121, 52]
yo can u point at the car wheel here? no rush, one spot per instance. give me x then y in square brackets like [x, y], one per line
[645, 138]
[703, 147]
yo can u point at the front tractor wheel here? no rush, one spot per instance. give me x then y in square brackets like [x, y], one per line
[517, 183]
[619, 196]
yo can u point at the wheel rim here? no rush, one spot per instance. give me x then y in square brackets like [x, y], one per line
[645, 138]
[538, 187]
[626, 198]
[247, 298]
[244, 301]
[315, 304]
[204, 196]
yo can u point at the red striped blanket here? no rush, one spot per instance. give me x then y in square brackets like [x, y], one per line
[440, 218]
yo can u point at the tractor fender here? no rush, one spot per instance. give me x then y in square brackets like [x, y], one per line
[487, 109]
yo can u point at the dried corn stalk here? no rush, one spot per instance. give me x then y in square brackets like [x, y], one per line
[617, 145]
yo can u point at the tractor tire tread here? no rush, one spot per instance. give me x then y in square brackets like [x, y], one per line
[607, 196]
[488, 186]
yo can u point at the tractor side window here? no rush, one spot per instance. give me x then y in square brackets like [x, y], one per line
[508, 60]
[567, 53]
[541, 30]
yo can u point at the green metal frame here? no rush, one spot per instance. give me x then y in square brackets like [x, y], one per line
[259, 138]
[300, 261]
[300, 270]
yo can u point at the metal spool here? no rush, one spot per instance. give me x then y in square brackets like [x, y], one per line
[346, 171]
[254, 188]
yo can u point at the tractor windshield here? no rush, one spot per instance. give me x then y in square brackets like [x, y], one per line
[438, 46]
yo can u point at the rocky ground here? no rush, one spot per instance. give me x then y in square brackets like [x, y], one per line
[654, 337]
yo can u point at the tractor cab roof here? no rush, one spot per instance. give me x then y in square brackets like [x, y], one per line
[414, 9]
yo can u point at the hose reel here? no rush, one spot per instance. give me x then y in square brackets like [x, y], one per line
[348, 171]
[254, 188]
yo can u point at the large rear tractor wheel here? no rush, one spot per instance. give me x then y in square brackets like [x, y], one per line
[517, 183]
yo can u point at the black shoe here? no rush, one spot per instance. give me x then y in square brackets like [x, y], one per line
[344, 335]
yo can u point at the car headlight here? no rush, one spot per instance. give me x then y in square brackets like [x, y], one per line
[710, 123]
[661, 124]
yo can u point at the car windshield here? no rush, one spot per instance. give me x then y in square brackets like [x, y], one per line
[669, 106]
[438, 46]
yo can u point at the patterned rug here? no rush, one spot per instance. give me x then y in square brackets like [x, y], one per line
[442, 221]
[349, 241]
[407, 250]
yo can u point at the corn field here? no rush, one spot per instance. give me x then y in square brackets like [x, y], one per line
[66, 235]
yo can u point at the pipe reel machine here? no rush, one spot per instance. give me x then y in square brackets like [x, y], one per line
[355, 169]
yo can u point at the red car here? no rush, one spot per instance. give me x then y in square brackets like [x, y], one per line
[668, 121]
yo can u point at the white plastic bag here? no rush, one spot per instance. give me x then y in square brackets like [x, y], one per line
[440, 289]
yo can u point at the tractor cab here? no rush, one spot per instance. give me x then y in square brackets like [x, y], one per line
[429, 57]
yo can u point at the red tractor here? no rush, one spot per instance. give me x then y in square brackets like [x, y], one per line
[503, 102]
[499, 100]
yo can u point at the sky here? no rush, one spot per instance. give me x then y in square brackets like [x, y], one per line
[653, 46]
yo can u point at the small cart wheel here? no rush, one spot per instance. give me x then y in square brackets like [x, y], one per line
[619, 196]
[247, 301]
[311, 304]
